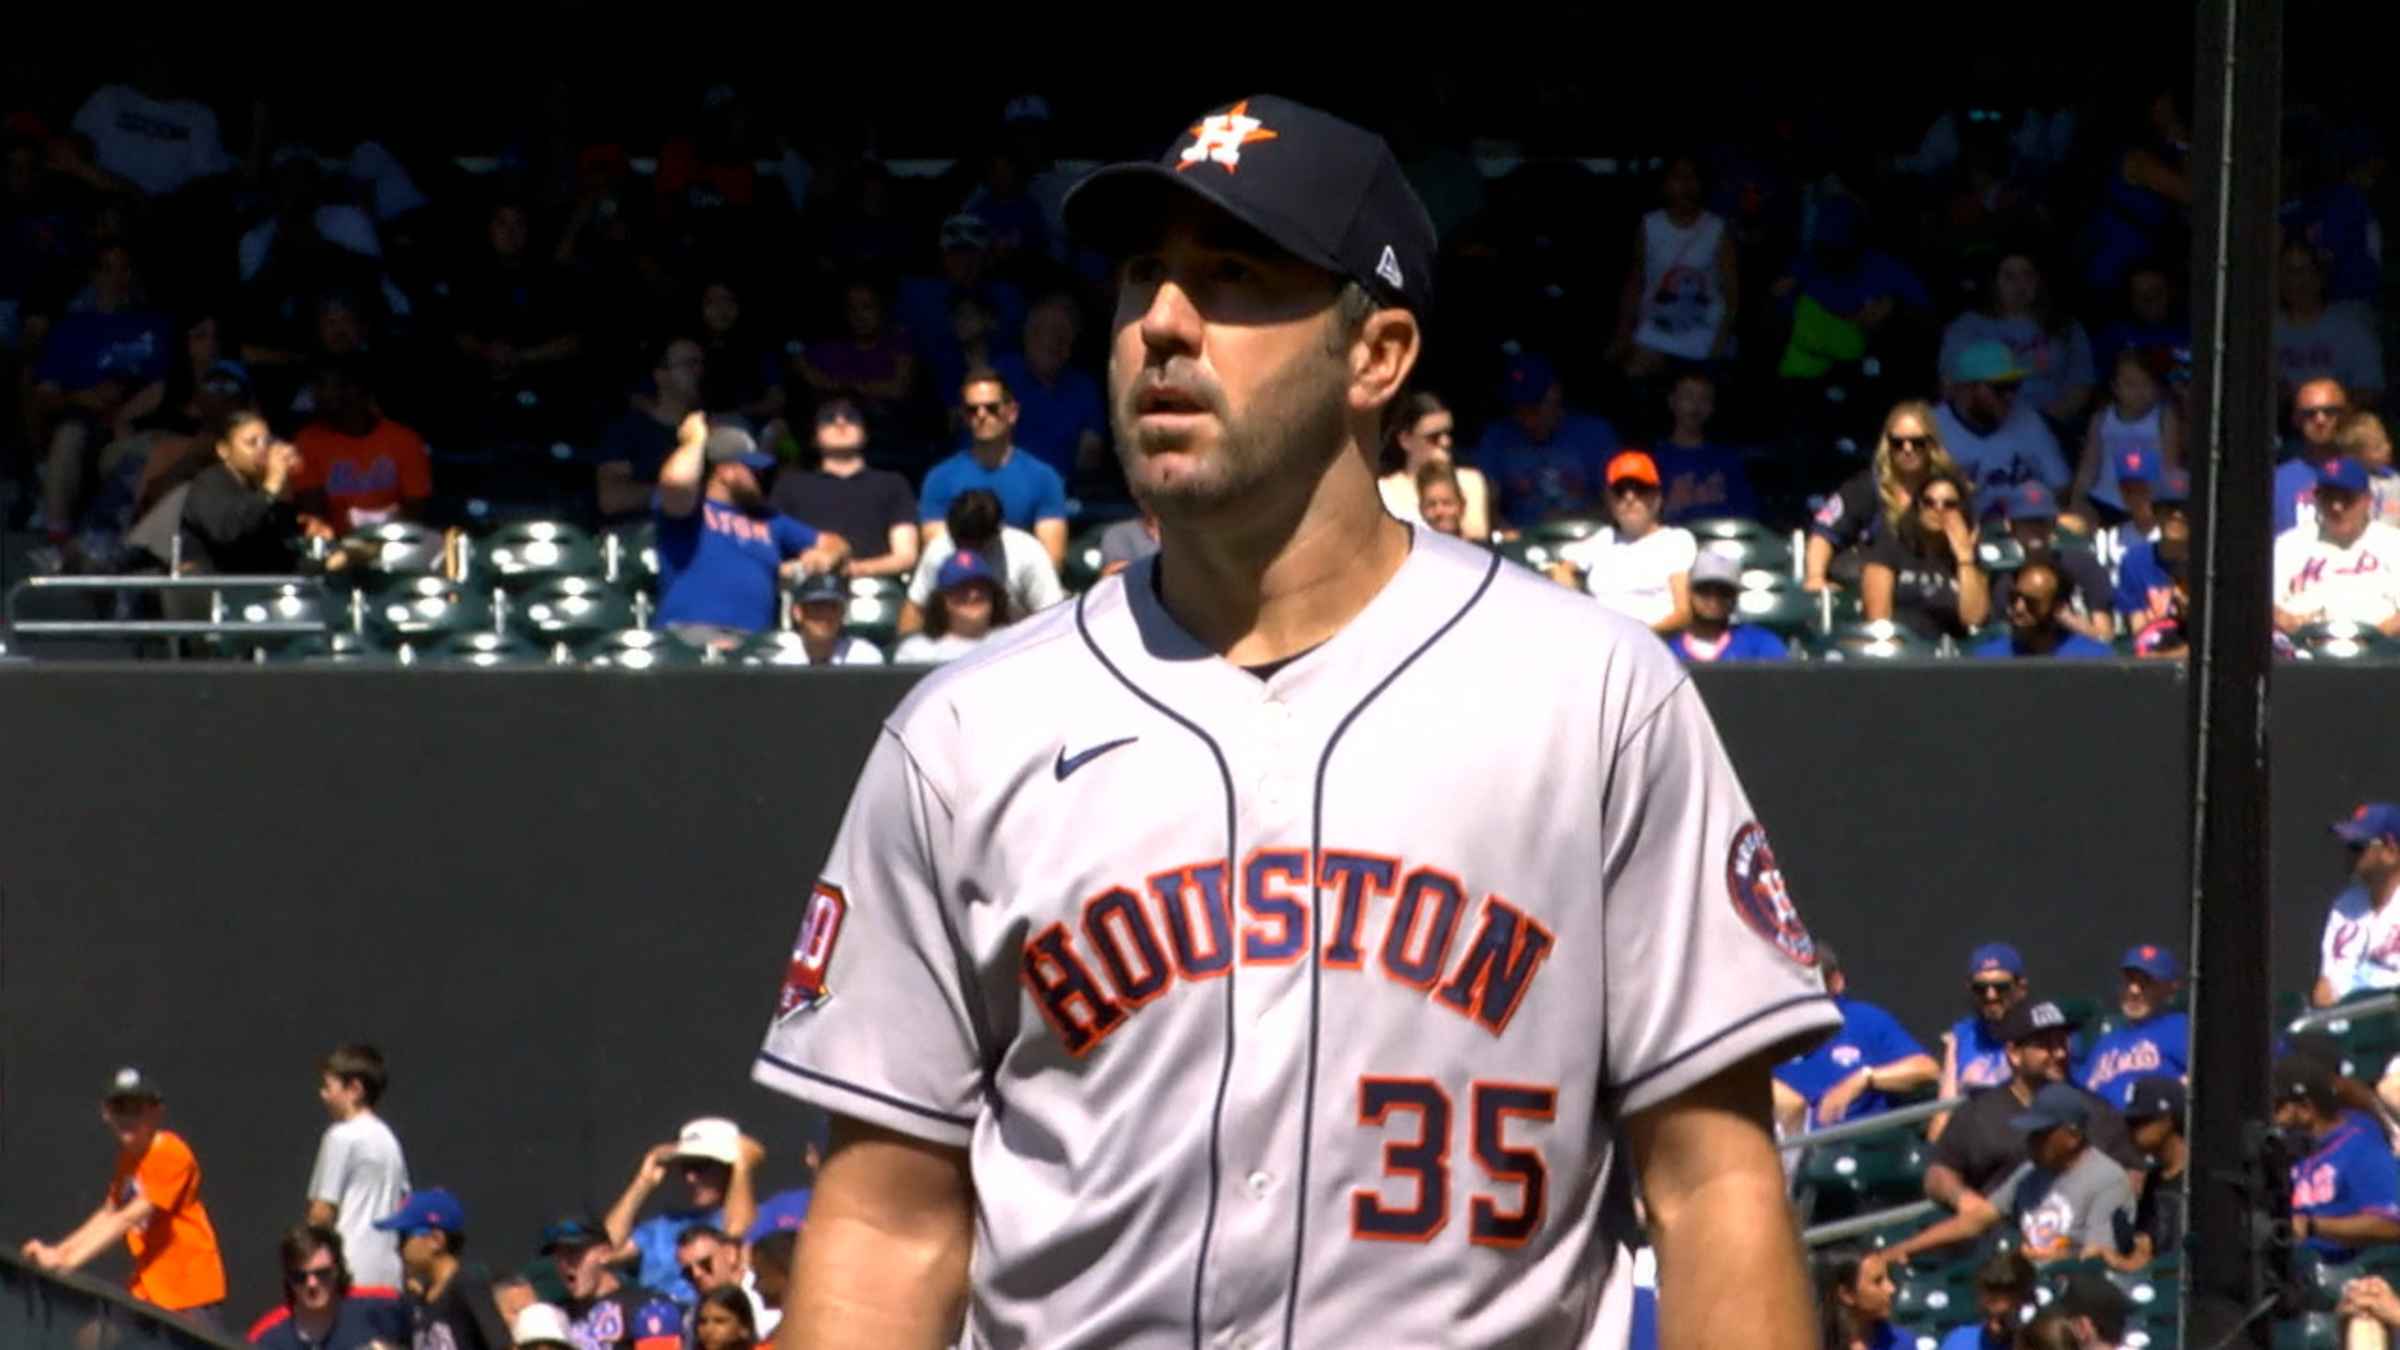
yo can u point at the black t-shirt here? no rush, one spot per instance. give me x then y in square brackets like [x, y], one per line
[861, 508]
[2083, 578]
[641, 441]
[1853, 515]
[2160, 1212]
[230, 527]
[1924, 585]
[1983, 1148]
[464, 1317]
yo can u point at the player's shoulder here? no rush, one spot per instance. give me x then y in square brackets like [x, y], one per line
[1559, 633]
[1007, 669]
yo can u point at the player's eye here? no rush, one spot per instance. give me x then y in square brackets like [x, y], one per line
[1229, 271]
[1143, 269]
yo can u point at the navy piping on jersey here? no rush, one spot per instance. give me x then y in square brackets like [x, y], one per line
[1712, 1038]
[1216, 1113]
[899, 1103]
[1316, 945]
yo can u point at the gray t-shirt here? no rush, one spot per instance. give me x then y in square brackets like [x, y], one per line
[2062, 1213]
[1127, 541]
[361, 1174]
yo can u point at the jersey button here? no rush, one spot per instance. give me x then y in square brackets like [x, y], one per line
[1260, 1183]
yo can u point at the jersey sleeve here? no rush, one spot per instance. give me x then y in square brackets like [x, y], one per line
[1707, 962]
[876, 1019]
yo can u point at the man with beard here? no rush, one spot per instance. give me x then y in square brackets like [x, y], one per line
[2084, 603]
[2360, 953]
[1998, 440]
[722, 551]
[1085, 979]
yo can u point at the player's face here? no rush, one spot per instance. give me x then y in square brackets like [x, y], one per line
[2141, 995]
[1226, 376]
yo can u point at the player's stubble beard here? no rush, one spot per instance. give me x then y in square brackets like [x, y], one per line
[1292, 429]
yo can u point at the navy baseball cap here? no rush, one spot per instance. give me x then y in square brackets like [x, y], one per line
[2031, 501]
[2370, 822]
[2028, 1020]
[735, 445]
[2302, 1078]
[962, 568]
[1526, 380]
[2156, 962]
[782, 1211]
[427, 1209]
[577, 1231]
[2156, 1095]
[2055, 1105]
[1995, 956]
[1319, 188]
[2138, 465]
[824, 587]
[2342, 475]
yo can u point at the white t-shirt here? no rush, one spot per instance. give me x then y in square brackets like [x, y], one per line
[1631, 578]
[851, 650]
[155, 145]
[2361, 949]
[2358, 584]
[361, 1174]
[2020, 448]
[343, 226]
[1032, 582]
[1682, 302]
[919, 650]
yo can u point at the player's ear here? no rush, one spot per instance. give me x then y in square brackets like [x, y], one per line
[1381, 358]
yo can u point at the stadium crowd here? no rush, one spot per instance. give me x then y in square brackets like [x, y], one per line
[1956, 375]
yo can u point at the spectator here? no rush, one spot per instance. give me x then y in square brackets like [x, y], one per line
[2036, 627]
[771, 1273]
[322, 1308]
[2314, 342]
[2004, 1294]
[1982, 1148]
[1845, 298]
[2370, 1297]
[1923, 575]
[449, 1305]
[2361, 436]
[2138, 427]
[312, 243]
[140, 134]
[2344, 567]
[2145, 590]
[2138, 479]
[1683, 287]
[2086, 599]
[869, 363]
[2095, 1311]
[1637, 566]
[716, 1162]
[1712, 635]
[366, 468]
[2153, 1038]
[153, 1205]
[1973, 1055]
[238, 517]
[713, 1262]
[602, 1312]
[966, 607]
[722, 551]
[974, 527]
[179, 445]
[1854, 1303]
[1876, 500]
[1032, 496]
[1012, 219]
[2071, 1205]
[739, 373]
[925, 302]
[1062, 419]
[2145, 200]
[724, 1320]
[1871, 1060]
[2346, 1192]
[2052, 349]
[360, 1175]
[104, 350]
[2154, 1113]
[1998, 439]
[871, 508]
[2150, 326]
[1543, 461]
[2168, 636]
[1423, 431]
[1127, 542]
[2338, 220]
[2360, 952]
[1699, 477]
[819, 607]
[635, 445]
[974, 341]
[2318, 408]
[514, 320]
[1441, 502]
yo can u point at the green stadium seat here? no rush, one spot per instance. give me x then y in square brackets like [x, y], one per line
[2316, 1331]
[396, 549]
[1567, 529]
[1537, 554]
[524, 554]
[771, 649]
[2000, 555]
[424, 608]
[484, 649]
[1786, 610]
[874, 611]
[571, 609]
[1747, 542]
[629, 556]
[1082, 565]
[638, 649]
[1872, 640]
[1941, 1297]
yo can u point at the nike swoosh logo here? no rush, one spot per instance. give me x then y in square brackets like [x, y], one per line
[1068, 764]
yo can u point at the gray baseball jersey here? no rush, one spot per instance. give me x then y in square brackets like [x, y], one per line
[1300, 1010]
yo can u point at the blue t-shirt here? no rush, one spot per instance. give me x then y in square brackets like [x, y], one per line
[2160, 1044]
[1565, 475]
[1975, 1337]
[718, 566]
[366, 1315]
[1744, 642]
[1028, 489]
[1869, 1037]
[656, 1238]
[1982, 1055]
[2295, 482]
[1051, 420]
[87, 347]
[2071, 647]
[2141, 579]
[1706, 480]
[2350, 1173]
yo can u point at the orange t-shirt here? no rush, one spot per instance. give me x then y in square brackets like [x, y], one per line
[175, 1261]
[364, 478]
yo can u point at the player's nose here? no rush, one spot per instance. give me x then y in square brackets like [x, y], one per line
[1170, 325]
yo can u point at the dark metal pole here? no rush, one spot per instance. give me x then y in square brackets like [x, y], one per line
[2237, 110]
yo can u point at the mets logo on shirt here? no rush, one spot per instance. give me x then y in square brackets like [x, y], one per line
[804, 982]
[1756, 886]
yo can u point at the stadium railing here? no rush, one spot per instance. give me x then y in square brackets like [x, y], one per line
[222, 621]
[40, 1310]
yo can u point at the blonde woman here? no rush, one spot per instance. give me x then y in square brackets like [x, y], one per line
[1424, 431]
[1878, 498]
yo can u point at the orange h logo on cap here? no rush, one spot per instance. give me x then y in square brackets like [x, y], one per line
[1219, 139]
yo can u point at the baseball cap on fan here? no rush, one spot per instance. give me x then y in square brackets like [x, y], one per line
[1317, 187]
[711, 1139]
[735, 445]
[2370, 822]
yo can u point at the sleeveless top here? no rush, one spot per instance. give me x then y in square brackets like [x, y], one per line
[1681, 300]
[2119, 438]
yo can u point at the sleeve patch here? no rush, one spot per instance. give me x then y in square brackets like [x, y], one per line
[804, 987]
[1756, 887]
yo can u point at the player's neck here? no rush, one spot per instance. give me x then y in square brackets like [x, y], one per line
[1258, 591]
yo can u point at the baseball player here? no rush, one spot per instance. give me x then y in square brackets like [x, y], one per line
[1162, 980]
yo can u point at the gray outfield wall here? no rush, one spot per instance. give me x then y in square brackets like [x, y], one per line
[561, 901]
